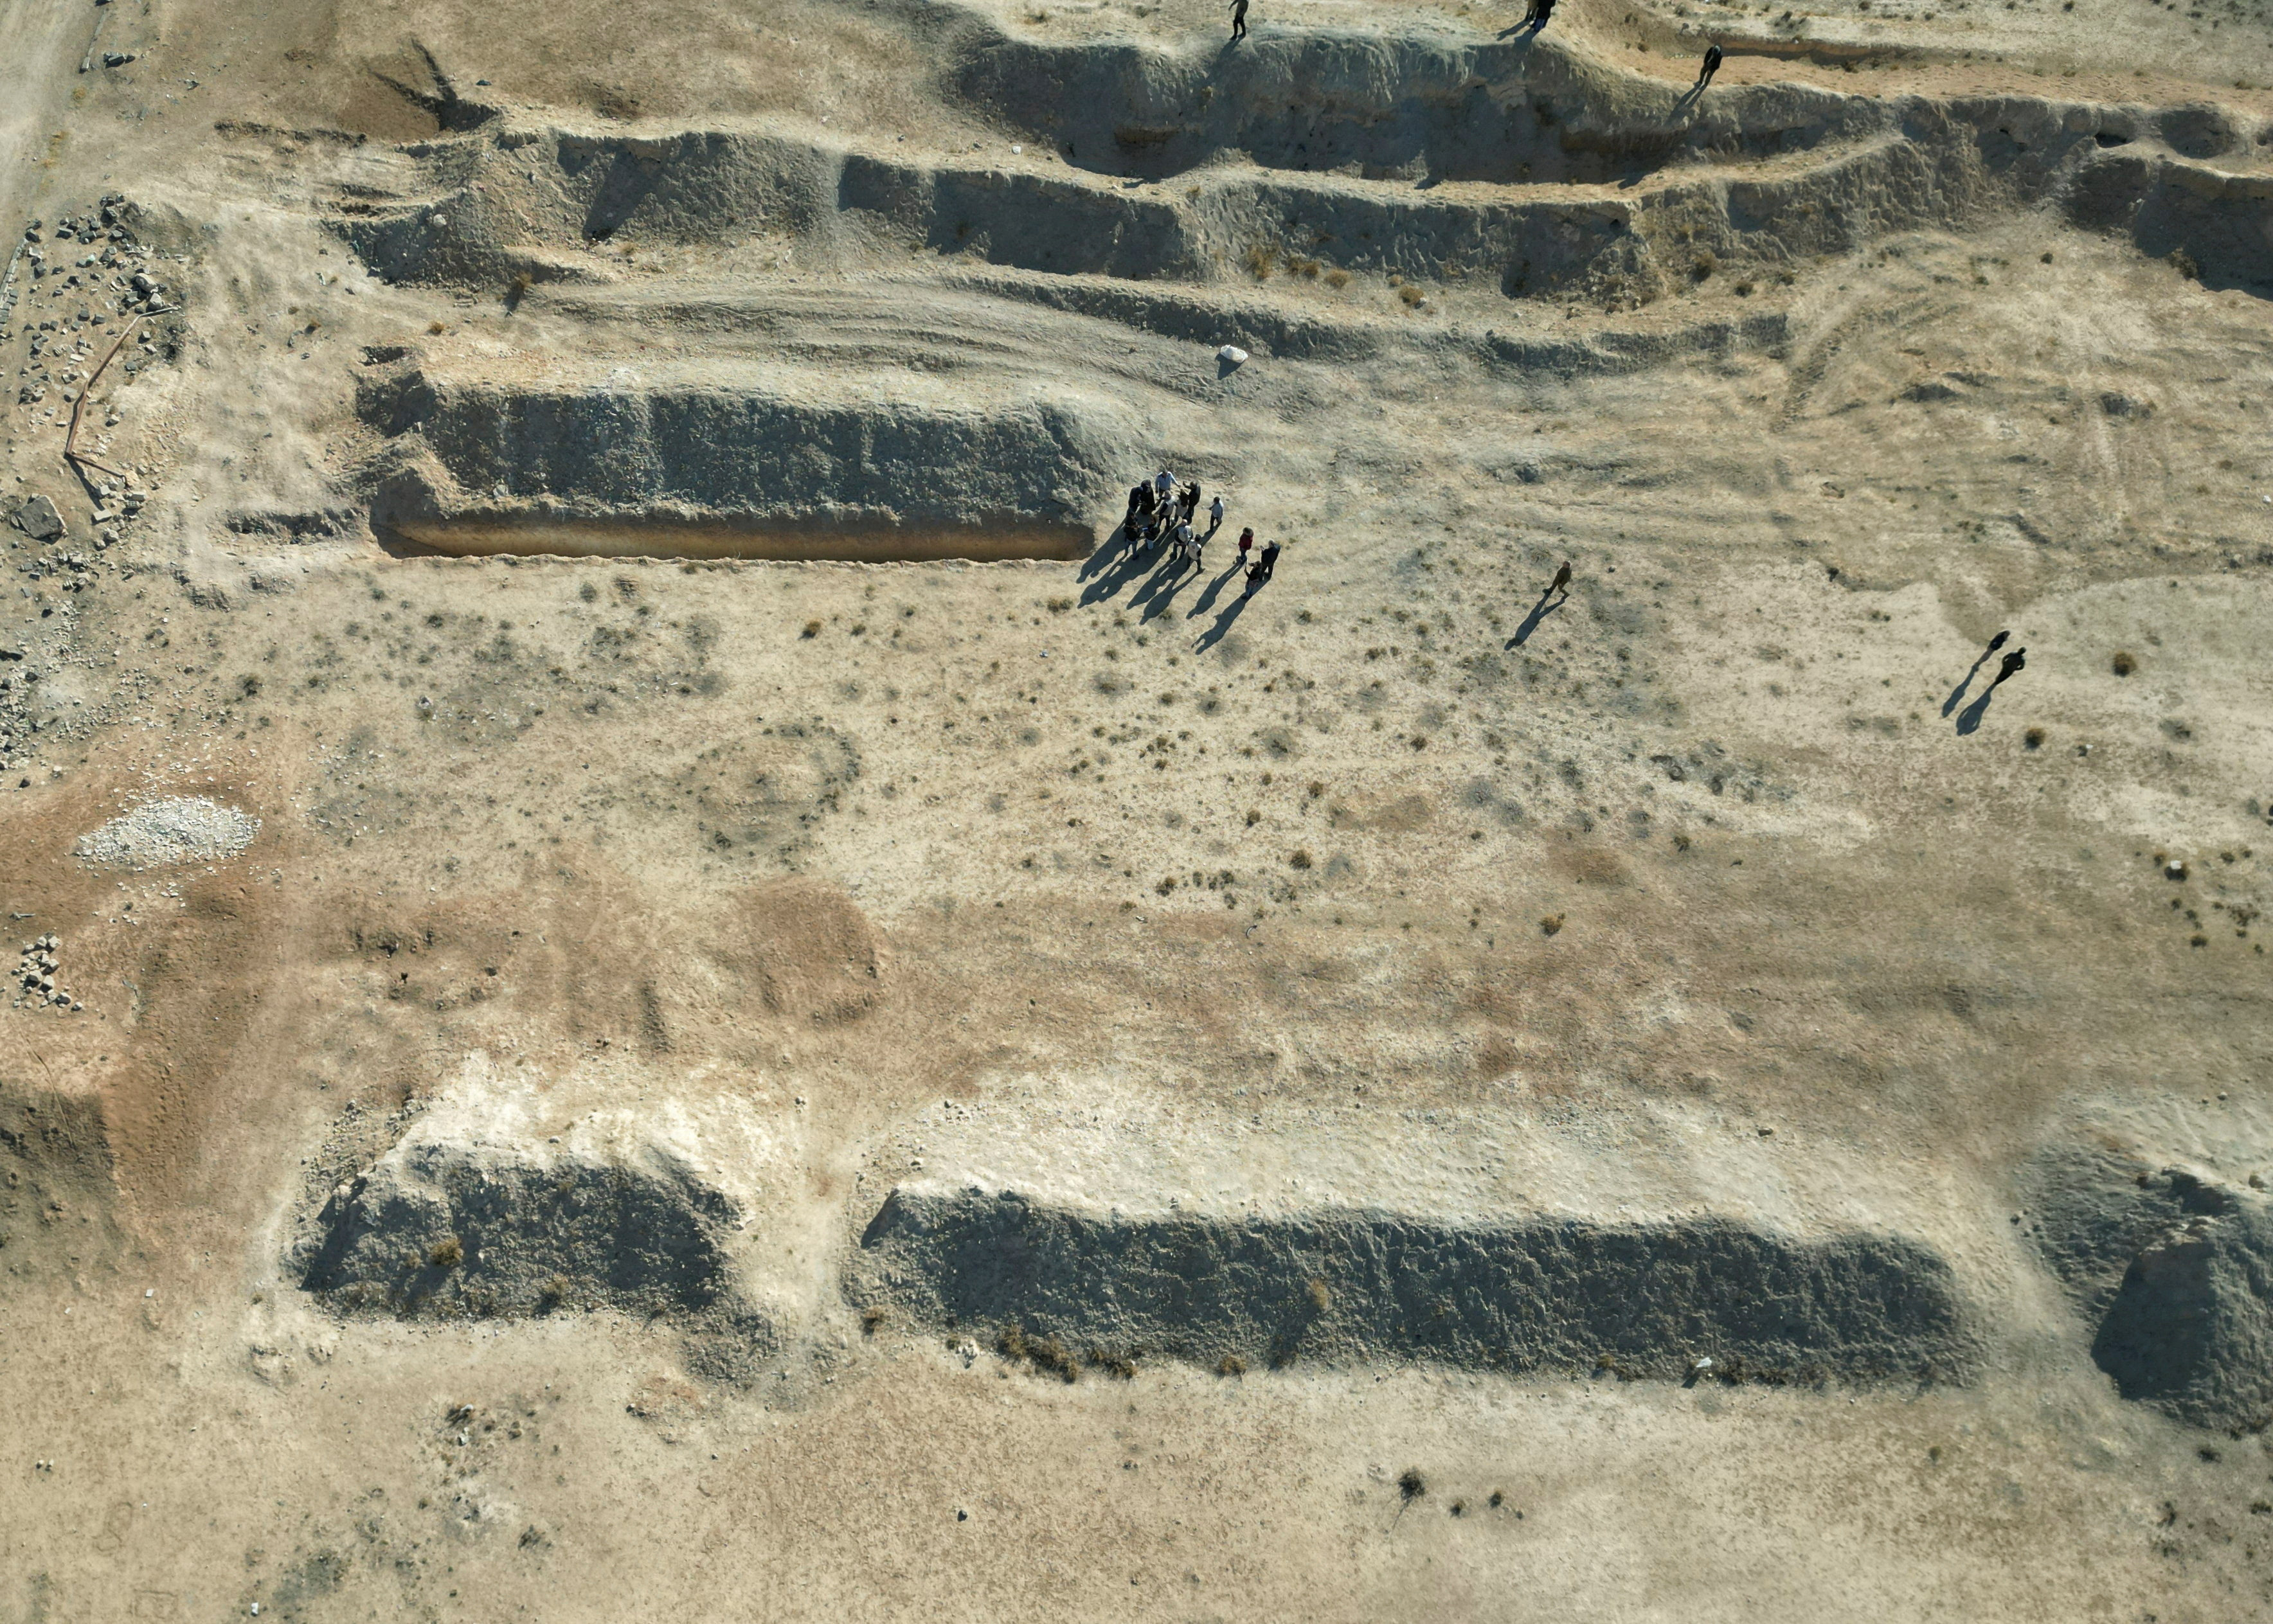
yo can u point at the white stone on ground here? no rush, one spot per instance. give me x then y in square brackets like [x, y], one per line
[181, 828]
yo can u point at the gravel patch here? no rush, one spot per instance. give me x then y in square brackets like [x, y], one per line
[182, 829]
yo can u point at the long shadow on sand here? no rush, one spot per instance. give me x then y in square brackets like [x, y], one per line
[1547, 605]
[1969, 720]
[1113, 568]
[1224, 622]
[1957, 694]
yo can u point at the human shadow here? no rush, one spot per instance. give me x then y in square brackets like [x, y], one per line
[1547, 605]
[1116, 546]
[1132, 562]
[1206, 599]
[1523, 32]
[1224, 621]
[1957, 694]
[1969, 720]
[1158, 595]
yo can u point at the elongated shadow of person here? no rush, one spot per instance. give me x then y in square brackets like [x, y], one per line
[1957, 694]
[1224, 622]
[1206, 599]
[1130, 564]
[1969, 720]
[1547, 605]
[1114, 548]
[1157, 595]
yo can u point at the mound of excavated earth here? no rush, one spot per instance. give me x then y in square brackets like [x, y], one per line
[1561, 1295]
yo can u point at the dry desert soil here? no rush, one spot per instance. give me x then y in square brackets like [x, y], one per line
[657, 973]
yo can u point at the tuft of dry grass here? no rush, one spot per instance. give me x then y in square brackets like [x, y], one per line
[1550, 924]
[1300, 859]
[2124, 663]
[447, 1253]
[1038, 1352]
[1338, 278]
[1231, 1365]
[1261, 259]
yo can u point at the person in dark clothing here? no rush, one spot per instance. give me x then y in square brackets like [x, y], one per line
[1260, 571]
[1246, 544]
[2011, 665]
[1237, 19]
[1562, 579]
[1536, 19]
[1711, 65]
[1191, 499]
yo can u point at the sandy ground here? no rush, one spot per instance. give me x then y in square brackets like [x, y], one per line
[1720, 888]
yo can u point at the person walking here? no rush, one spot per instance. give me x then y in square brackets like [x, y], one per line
[2011, 665]
[1215, 515]
[1191, 499]
[1246, 544]
[1237, 19]
[1536, 19]
[1711, 66]
[1562, 579]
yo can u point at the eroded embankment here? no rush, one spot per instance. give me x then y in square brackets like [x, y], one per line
[1384, 108]
[1648, 1298]
[2171, 1269]
[732, 463]
[447, 1229]
[1767, 176]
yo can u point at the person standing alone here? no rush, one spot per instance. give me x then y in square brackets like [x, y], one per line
[1237, 19]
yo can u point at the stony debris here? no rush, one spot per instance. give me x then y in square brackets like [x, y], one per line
[37, 971]
[38, 519]
[181, 828]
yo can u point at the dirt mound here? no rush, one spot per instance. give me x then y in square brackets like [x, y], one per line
[477, 1209]
[181, 828]
[1355, 1286]
[763, 453]
[2174, 1271]
[450, 1230]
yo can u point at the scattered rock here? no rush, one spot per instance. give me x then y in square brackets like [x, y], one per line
[181, 828]
[38, 519]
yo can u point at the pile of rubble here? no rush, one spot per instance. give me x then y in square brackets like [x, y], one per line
[35, 978]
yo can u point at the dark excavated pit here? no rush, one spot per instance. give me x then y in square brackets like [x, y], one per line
[819, 542]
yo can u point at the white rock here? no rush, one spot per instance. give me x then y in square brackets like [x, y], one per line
[182, 829]
[1231, 353]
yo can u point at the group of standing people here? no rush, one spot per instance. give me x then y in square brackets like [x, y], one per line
[1161, 509]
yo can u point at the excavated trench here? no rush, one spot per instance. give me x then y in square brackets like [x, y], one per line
[667, 537]
[731, 459]
[1770, 177]
[1645, 1299]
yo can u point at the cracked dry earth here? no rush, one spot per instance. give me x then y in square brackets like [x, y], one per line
[659, 972]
